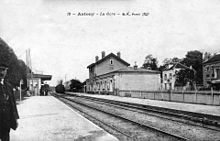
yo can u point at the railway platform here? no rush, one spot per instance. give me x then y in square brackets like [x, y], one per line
[44, 118]
[195, 108]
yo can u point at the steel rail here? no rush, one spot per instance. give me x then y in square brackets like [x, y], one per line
[196, 117]
[143, 111]
[92, 117]
[178, 137]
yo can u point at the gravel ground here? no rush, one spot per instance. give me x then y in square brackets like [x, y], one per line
[138, 133]
[188, 131]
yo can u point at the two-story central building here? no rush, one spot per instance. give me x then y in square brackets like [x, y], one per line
[111, 74]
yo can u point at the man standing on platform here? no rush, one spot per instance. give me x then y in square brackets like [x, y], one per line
[8, 108]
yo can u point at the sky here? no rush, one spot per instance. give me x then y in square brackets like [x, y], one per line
[63, 46]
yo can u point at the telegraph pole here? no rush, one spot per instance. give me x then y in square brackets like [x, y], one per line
[65, 77]
[29, 69]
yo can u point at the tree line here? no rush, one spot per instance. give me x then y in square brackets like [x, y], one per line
[17, 69]
[193, 60]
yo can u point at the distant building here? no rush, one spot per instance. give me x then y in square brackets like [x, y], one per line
[35, 81]
[211, 71]
[169, 75]
[111, 74]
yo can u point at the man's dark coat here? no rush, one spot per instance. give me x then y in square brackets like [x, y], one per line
[12, 115]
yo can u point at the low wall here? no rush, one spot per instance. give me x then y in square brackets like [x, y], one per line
[198, 97]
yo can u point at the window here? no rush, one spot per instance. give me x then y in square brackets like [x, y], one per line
[207, 68]
[107, 86]
[111, 66]
[170, 76]
[165, 76]
[218, 73]
[97, 84]
[176, 72]
[101, 85]
[213, 75]
[111, 62]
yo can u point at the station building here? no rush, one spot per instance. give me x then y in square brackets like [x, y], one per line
[111, 75]
[211, 72]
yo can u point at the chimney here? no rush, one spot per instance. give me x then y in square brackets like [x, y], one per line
[96, 58]
[119, 54]
[103, 54]
[135, 65]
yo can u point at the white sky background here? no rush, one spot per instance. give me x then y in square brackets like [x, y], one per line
[65, 45]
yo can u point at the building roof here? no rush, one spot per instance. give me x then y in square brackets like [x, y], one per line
[131, 70]
[213, 59]
[106, 57]
[137, 70]
[177, 65]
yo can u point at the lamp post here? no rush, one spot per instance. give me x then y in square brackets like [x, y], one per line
[21, 82]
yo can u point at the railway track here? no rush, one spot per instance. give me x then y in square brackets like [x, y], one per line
[211, 122]
[96, 120]
[148, 128]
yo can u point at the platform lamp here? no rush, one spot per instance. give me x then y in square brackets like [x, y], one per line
[21, 83]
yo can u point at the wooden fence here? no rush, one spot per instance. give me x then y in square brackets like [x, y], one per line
[198, 97]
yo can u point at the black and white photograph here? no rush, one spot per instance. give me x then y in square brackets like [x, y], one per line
[109, 70]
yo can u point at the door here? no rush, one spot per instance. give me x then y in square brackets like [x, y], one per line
[111, 86]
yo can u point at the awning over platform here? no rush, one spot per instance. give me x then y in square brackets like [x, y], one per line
[41, 76]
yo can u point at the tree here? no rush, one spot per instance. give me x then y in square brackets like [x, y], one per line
[207, 56]
[23, 72]
[16, 68]
[171, 61]
[193, 60]
[150, 62]
[18, 72]
[183, 76]
[75, 85]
